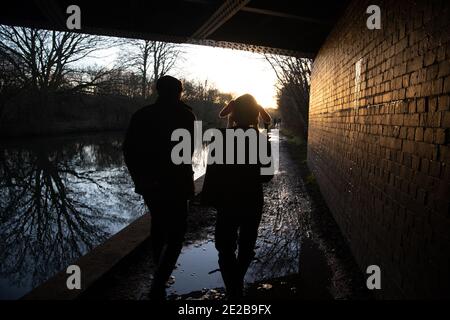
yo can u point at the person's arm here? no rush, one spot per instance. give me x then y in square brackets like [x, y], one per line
[228, 109]
[129, 146]
[135, 156]
[265, 115]
[191, 128]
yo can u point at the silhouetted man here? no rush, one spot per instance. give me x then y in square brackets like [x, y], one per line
[166, 187]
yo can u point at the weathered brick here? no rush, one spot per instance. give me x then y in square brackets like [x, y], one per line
[444, 68]
[432, 72]
[419, 134]
[443, 103]
[435, 168]
[408, 146]
[411, 120]
[415, 162]
[431, 119]
[441, 53]
[430, 58]
[446, 120]
[398, 149]
[421, 105]
[414, 64]
[412, 106]
[411, 133]
[426, 88]
[424, 165]
[440, 135]
[428, 135]
[432, 104]
[403, 132]
[412, 91]
[436, 87]
[446, 88]
[444, 154]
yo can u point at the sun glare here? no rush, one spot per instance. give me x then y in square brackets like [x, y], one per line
[234, 71]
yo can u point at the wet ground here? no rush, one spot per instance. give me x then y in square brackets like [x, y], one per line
[300, 253]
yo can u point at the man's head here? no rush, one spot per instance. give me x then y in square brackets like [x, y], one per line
[169, 88]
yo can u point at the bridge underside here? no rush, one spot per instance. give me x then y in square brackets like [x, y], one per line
[256, 25]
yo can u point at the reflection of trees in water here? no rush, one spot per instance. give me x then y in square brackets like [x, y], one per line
[47, 220]
[279, 239]
[102, 154]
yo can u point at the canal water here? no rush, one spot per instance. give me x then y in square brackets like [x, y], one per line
[60, 198]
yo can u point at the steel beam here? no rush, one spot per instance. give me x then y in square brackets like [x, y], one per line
[227, 10]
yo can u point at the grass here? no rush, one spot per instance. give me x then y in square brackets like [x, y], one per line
[293, 138]
[310, 179]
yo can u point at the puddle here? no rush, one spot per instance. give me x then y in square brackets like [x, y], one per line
[196, 265]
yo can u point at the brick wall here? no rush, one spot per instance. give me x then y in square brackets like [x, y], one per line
[379, 144]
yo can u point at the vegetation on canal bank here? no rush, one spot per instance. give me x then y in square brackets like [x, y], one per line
[80, 112]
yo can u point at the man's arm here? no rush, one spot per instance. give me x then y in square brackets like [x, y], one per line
[190, 125]
[133, 154]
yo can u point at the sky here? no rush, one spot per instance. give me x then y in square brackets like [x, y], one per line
[232, 71]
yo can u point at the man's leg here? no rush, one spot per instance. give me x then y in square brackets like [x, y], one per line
[169, 230]
[175, 226]
[158, 232]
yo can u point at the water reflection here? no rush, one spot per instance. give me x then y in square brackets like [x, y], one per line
[59, 198]
[278, 246]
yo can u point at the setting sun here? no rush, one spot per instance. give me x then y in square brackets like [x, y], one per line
[234, 71]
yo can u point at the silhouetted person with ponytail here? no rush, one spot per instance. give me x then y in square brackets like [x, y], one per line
[235, 190]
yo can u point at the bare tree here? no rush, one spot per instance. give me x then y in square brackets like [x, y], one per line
[120, 82]
[294, 81]
[152, 59]
[164, 57]
[42, 59]
[9, 82]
